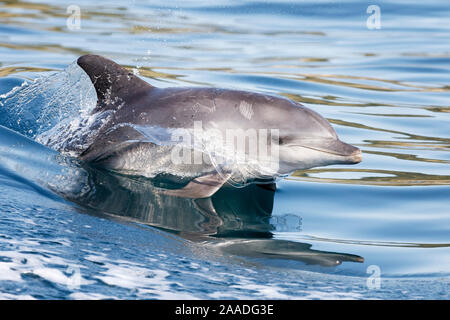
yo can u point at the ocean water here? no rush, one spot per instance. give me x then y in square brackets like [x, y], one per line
[378, 230]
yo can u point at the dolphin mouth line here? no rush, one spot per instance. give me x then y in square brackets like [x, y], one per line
[357, 153]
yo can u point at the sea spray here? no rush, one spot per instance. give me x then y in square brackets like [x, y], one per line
[37, 106]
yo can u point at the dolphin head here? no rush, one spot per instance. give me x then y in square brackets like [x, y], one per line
[307, 140]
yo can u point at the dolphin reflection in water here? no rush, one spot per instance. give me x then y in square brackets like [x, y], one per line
[234, 220]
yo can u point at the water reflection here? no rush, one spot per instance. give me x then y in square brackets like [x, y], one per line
[237, 221]
[371, 177]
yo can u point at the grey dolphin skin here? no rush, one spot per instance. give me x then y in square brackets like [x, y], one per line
[305, 138]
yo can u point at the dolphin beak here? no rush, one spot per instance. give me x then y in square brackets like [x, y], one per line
[356, 157]
[349, 153]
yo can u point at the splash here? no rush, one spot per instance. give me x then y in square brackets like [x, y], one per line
[54, 100]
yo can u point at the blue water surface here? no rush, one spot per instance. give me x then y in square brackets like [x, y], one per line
[379, 229]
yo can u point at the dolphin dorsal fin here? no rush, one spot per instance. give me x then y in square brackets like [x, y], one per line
[113, 83]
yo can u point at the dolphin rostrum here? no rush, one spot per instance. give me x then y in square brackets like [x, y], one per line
[140, 121]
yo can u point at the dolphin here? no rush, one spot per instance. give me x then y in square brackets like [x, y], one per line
[139, 116]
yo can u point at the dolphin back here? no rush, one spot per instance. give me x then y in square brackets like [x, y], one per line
[113, 84]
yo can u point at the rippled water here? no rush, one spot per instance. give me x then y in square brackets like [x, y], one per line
[68, 230]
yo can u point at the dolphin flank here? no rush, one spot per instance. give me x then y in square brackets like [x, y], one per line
[304, 139]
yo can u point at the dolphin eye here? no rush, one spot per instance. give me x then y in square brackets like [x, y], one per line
[283, 140]
[279, 140]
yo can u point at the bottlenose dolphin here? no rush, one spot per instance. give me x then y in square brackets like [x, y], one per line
[304, 139]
